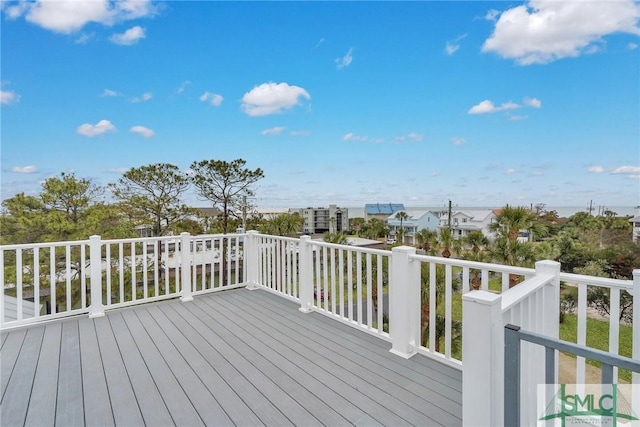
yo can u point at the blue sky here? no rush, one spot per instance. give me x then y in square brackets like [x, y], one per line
[483, 103]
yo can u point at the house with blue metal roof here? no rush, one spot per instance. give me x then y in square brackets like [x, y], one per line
[381, 211]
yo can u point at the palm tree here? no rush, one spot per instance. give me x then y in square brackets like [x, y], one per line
[506, 248]
[401, 215]
[427, 240]
[512, 220]
[446, 241]
[476, 240]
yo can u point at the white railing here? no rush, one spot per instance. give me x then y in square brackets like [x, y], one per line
[46, 281]
[419, 296]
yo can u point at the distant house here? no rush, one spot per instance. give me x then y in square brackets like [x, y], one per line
[417, 220]
[635, 223]
[465, 221]
[324, 220]
[381, 211]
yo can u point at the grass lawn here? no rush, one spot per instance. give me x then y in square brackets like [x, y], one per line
[598, 337]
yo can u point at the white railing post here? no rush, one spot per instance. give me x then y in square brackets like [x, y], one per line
[635, 350]
[482, 359]
[185, 267]
[96, 308]
[251, 259]
[306, 274]
[404, 292]
[551, 296]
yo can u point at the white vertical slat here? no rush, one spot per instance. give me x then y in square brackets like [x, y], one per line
[134, 284]
[108, 275]
[295, 273]
[432, 306]
[582, 331]
[369, 299]
[121, 270]
[380, 285]
[156, 271]
[350, 284]
[341, 265]
[237, 261]
[466, 284]
[359, 286]
[333, 292]
[19, 284]
[52, 279]
[317, 283]
[447, 310]
[484, 283]
[67, 255]
[228, 262]
[83, 276]
[505, 282]
[325, 277]
[145, 290]
[276, 265]
[614, 326]
[36, 283]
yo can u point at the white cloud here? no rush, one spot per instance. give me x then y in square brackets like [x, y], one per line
[510, 171]
[129, 37]
[142, 131]
[452, 46]
[543, 31]
[84, 38]
[24, 169]
[346, 60]
[486, 107]
[115, 170]
[319, 43]
[458, 141]
[300, 133]
[144, 97]
[272, 98]
[89, 130]
[68, 16]
[629, 170]
[8, 97]
[109, 92]
[517, 118]
[273, 131]
[415, 137]
[183, 86]
[491, 15]
[213, 98]
[595, 169]
[352, 137]
[532, 102]
[632, 46]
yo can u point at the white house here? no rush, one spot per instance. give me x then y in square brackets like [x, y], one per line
[635, 223]
[465, 221]
[417, 220]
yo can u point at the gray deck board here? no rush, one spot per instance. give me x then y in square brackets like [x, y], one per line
[68, 411]
[45, 383]
[97, 407]
[15, 403]
[407, 389]
[236, 357]
[177, 401]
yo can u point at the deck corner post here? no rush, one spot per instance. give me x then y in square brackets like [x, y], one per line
[251, 259]
[482, 359]
[551, 297]
[185, 267]
[306, 275]
[96, 308]
[404, 295]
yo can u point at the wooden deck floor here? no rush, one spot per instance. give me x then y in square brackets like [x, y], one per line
[237, 357]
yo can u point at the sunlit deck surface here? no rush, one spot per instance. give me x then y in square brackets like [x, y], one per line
[237, 357]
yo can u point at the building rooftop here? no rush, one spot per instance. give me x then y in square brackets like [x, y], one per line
[237, 357]
[382, 208]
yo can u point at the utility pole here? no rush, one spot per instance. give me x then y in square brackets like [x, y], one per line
[244, 213]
